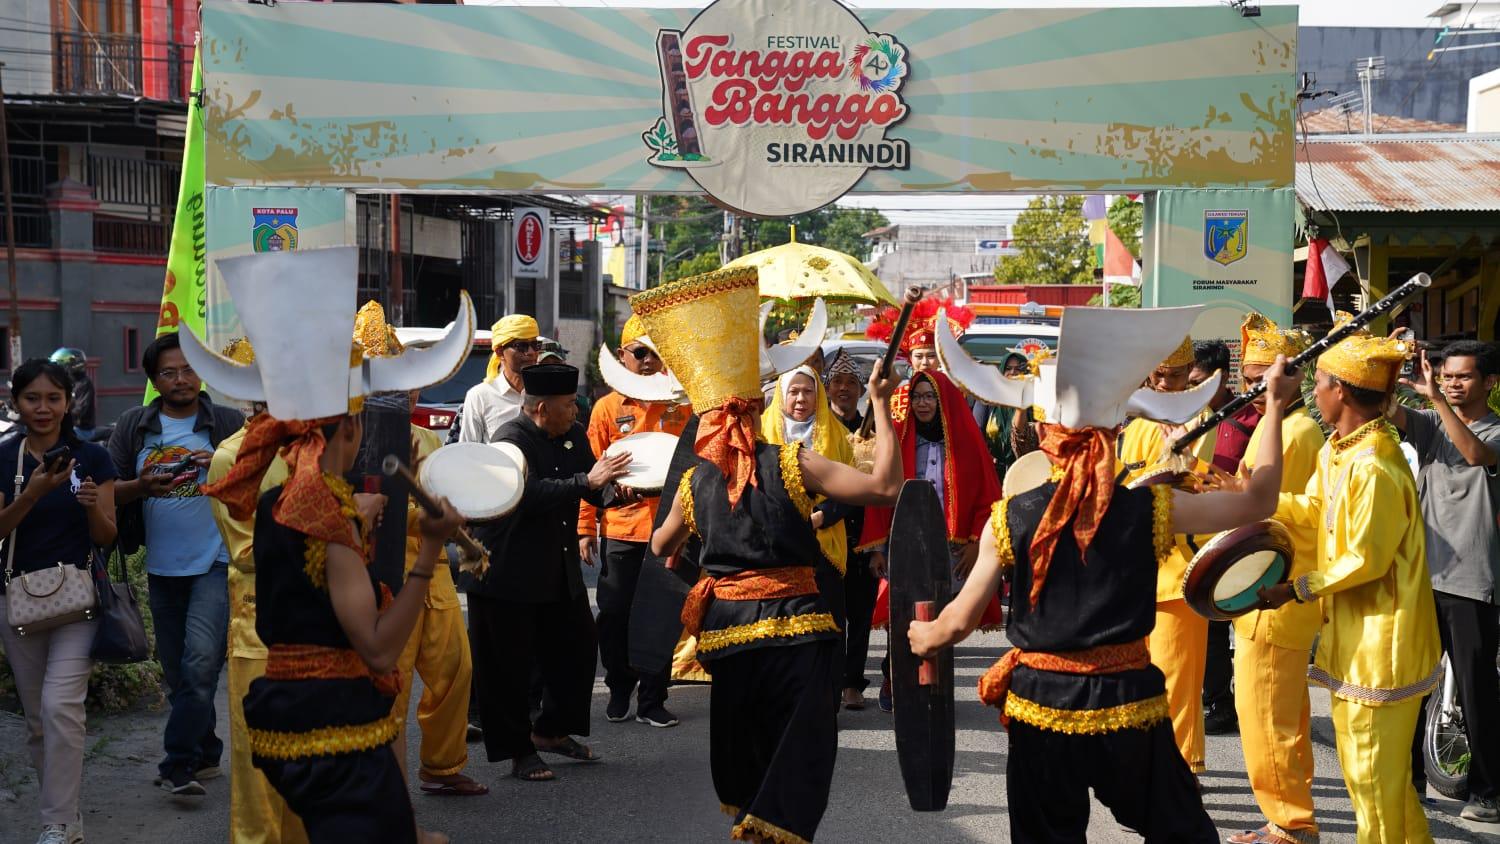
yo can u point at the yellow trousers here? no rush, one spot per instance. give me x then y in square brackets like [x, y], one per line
[1179, 647]
[438, 650]
[257, 814]
[1271, 700]
[1374, 744]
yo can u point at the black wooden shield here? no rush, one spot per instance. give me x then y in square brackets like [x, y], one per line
[656, 610]
[919, 573]
[387, 431]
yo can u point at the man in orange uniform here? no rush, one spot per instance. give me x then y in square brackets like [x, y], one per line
[626, 531]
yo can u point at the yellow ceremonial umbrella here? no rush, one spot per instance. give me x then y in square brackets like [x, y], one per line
[803, 271]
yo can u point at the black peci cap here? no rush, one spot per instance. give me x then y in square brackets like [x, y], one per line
[550, 379]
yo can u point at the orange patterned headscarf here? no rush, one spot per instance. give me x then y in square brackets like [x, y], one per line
[726, 438]
[306, 505]
[1086, 457]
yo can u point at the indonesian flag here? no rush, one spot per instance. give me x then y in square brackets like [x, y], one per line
[1325, 266]
[1120, 267]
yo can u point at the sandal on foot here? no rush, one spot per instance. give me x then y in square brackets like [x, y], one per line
[570, 748]
[461, 786]
[532, 769]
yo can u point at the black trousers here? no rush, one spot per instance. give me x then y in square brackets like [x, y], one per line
[349, 797]
[860, 588]
[620, 572]
[1471, 634]
[773, 735]
[511, 640]
[1137, 773]
[1218, 668]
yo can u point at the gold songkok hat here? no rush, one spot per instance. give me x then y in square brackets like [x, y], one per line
[1182, 356]
[706, 329]
[240, 351]
[1261, 341]
[1364, 360]
[632, 331]
[374, 335]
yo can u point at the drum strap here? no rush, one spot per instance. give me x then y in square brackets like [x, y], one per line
[751, 585]
[994, 686]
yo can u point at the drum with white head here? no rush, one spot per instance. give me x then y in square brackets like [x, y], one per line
[1226, 575]
[651, 455]
[481, 481]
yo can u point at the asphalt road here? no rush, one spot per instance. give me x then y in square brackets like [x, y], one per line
[654, 784]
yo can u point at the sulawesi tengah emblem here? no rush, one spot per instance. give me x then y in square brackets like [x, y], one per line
[1226, 236]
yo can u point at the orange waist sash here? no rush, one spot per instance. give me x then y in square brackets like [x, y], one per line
[994, 686]
[318, 662]
[754, 585]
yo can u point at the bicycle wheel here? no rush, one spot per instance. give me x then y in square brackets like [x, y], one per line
[1445, 748]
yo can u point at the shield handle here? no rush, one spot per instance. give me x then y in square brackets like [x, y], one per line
[927, 671]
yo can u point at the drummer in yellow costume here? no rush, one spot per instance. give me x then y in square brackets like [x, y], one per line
[1379, 651]
[257, 814]
[1179, 642]
[1271, 647]
[438, 649]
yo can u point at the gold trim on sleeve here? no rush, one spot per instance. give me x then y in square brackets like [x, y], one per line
[791, 478]
[1000, 526]
[685, 495]
[1161, 521]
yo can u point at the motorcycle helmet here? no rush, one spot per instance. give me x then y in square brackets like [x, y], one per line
[70, 359]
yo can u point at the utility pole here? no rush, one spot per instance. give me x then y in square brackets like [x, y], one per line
[645, 240]
[10, 235]
[661, 257]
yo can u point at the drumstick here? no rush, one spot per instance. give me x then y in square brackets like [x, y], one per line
[913, 296]
[475, 557]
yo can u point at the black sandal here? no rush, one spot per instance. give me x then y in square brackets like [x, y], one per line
[531, 768]
[570, 748]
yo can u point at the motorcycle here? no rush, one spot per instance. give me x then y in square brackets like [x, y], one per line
[1445, 744]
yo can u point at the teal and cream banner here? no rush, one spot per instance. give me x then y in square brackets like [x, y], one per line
[748, 99]
[246, 220]
[1230, 250]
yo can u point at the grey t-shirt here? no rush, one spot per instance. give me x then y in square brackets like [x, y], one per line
[1459, 504]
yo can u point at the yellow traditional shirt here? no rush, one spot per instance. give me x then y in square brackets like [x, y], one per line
[1143, 444]
[238, 539]
[1293, 626]
[441, 592]
[1380, 640]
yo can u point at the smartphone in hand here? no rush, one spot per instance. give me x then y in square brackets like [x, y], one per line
[57, 459]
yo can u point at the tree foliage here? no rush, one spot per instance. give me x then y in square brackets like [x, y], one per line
[1120, 296]
[1126, 219]
[693, 229]
[1052, 240]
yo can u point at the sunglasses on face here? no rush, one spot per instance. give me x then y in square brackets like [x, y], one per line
[525, 346]
[640, 352]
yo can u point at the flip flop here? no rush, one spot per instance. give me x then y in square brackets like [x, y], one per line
[528, 768]
[463, 788]
[573, 750]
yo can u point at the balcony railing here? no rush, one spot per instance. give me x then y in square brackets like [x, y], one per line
[124, 236]
[85, 63]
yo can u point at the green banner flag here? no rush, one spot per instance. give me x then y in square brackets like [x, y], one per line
[184, 296]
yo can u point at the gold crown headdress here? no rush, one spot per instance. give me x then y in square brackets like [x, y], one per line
[1364, 360]
[374, 335]
[1261, 341]
[1181, 356]
[705, 328]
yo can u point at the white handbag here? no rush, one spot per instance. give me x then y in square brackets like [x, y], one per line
[47, 598]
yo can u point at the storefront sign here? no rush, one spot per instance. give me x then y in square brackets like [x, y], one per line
[529, 242]
[778, 107]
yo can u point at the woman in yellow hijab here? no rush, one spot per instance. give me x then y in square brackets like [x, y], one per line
[799, 412]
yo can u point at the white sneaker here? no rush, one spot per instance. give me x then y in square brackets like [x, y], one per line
[57, 833]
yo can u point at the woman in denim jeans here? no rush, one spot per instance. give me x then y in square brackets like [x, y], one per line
[57, 517]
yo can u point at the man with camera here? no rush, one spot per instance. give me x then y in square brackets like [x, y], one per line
[162, 452]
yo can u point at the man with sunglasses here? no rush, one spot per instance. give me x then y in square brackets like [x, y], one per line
[497, 399]
[626, 531]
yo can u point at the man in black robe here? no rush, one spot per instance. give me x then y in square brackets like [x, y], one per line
[530, 612]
